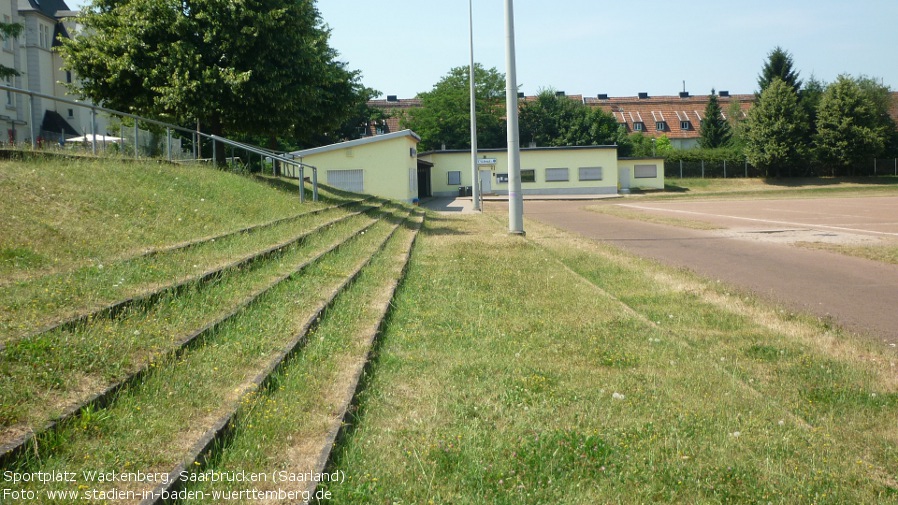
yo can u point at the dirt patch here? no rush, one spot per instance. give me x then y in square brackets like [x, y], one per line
[793, 235]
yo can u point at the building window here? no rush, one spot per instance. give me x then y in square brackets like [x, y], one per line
[645, 171]
[660, 126]
[638, 126]
[44, 35]
[557, 175]
[9, 99]
[590, 173]
[455, 177]
[71, 113]
[685, 125]
[528, 175]
[68, 76]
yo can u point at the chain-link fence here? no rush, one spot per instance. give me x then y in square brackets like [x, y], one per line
[680, 169]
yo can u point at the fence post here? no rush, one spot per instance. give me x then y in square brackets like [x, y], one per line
[302, 184]
[874, 166]
[746, 168]
[314, 184]
[681, 169]
[93, 131]
[724, 169]
[168, 140]
[136, 140]
[31, 123]
[703, 169]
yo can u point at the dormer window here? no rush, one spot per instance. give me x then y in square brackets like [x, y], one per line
[685, 125]
[660, 126]
[638, 126]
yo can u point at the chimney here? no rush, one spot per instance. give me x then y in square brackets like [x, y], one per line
[724, 94]
[603, 96]
[643, 96]
[392, 98]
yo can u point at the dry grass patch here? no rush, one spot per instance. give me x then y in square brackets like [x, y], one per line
[649, 217]
[885, 253]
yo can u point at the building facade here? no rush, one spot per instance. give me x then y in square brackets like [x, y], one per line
[33, 55]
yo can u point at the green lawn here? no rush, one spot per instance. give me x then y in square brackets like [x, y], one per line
[554, 370]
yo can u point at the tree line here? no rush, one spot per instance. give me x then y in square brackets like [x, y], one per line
[792, 127]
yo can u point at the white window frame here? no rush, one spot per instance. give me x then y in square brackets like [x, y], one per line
[457, 174]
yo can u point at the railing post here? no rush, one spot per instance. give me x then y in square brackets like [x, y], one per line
[168, 135]
[93, 131]
[31, 122]
[302, 184]
[214, 152]
[314, 184]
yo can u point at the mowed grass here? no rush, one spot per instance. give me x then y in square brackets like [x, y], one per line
[551, 369]
[885, 253]
[797, 187]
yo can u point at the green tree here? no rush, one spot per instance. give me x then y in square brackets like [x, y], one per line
[260, 67]
[852, 124]
[715, 130]
[775, 129]
[643, 145]
[445, 113]
[778, 65]
[556, 120]
[9, 30]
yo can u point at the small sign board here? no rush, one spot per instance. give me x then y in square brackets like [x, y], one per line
[486, 161]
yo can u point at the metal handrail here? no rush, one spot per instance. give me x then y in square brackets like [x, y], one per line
[169, 127]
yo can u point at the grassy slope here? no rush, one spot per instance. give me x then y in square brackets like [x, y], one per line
[555, 370]
[55, 215]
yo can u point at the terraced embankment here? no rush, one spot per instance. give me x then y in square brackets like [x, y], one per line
[169, 378]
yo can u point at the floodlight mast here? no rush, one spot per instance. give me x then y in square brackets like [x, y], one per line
[515, 198]
[475, 187]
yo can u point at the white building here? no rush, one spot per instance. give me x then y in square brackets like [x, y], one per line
[33, 55]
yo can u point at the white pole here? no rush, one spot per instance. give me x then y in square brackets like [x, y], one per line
[475, 174]
[515, 198]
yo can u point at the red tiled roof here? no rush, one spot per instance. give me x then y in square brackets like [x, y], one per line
[670, 112]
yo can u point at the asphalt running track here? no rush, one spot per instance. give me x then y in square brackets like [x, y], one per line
[859, 295]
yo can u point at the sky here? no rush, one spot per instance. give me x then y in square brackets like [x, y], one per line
[403, 47]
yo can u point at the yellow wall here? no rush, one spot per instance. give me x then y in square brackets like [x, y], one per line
[386, 164]
[536, 159]
[630, 165]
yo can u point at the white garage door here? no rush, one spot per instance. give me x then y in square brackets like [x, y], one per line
[347, 180]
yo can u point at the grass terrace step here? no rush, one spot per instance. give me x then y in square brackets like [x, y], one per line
[291, 425]
[71, 297]
[156, 423]
[60, 215]
[53, 374]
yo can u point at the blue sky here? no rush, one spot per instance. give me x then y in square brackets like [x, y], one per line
[621, 48]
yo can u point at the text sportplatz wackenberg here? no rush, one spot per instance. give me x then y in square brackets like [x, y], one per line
[16, 484]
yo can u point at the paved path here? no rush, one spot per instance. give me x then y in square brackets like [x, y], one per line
[860, 295]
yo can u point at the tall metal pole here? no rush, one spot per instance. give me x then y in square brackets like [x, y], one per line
[475, 174]
[515, 198]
